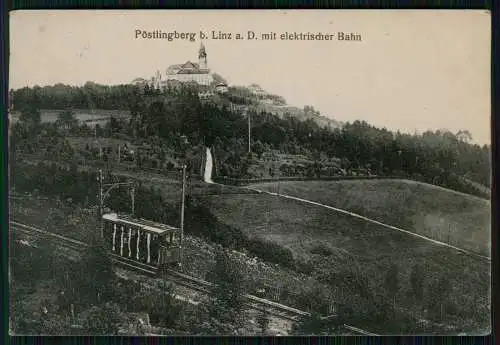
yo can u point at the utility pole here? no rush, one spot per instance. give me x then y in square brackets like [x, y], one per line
[249, 133]
[182, 212]
[100, 197]
[132, 192]
[100, 177]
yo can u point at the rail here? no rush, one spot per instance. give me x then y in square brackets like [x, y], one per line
[178, 277]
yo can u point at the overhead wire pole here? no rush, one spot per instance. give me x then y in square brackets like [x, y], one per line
[183, 197]
[132, 194]
[101, 200]
[101, 195]
[249, 134]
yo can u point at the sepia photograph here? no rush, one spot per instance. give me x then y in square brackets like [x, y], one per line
[250, 173]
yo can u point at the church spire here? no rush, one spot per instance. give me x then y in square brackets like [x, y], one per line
[202, 56]
[202, 52]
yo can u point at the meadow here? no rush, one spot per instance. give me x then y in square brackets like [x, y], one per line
[352, 242]
[444, 215]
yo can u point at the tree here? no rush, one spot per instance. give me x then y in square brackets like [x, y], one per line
[162, 306]
[96, 273]
[312, 325]
[31, 117]
[67, 119]
[218, 79]
[263, 320]
[258, 148]
[464, 135]
[103, 320]
[316, 325]
[228, 295]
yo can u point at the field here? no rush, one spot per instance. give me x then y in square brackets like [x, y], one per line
[441, 214]
[50, 115]
[354, 242]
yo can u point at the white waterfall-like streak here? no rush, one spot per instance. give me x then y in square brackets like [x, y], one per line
[207, 176]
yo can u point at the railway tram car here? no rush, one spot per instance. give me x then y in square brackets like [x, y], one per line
[141, 240]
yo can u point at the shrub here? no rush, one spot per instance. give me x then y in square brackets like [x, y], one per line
[321, 249]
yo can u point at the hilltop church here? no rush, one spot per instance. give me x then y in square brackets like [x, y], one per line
[186, 72]
[190, 71]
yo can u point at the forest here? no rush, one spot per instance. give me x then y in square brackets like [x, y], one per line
[439, 157]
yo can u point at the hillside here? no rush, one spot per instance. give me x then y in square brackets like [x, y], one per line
[441, 214]
[177, 114]
[254, 98]
[327, 242]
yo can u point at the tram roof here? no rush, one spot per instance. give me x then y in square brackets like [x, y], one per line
[144, 224]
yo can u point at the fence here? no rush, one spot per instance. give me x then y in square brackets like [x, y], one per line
[242, 182]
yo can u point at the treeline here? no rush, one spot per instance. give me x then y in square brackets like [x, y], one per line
[60, 96]
[439, 157]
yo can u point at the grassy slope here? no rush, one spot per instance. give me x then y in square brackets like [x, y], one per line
[373, 248]
[425, 209]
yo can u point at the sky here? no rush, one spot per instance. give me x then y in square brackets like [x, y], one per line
[411, 71]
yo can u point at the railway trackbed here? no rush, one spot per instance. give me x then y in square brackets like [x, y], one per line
[195, 284]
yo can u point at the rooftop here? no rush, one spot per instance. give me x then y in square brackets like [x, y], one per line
[144, 224]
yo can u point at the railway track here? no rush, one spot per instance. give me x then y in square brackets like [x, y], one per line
[190, 282]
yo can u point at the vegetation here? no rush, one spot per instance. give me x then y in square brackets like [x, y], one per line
[66, 288]
[263, 321]
[439, 157]
[369, 251]
[230, 227]
[62, 96]
[355, 263]
[444, 215]
[226, 307]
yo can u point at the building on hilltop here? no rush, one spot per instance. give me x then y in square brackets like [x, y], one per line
[190, 71]
[221, 88]
[257, 90]
[139, 81]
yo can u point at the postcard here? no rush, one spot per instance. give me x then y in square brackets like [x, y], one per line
[250, 173]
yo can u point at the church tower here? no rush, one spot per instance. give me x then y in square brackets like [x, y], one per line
[202, 57]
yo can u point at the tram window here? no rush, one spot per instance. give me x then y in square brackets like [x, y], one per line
[125, 236]
[143, 247]
[133, 243]
[154, 248]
